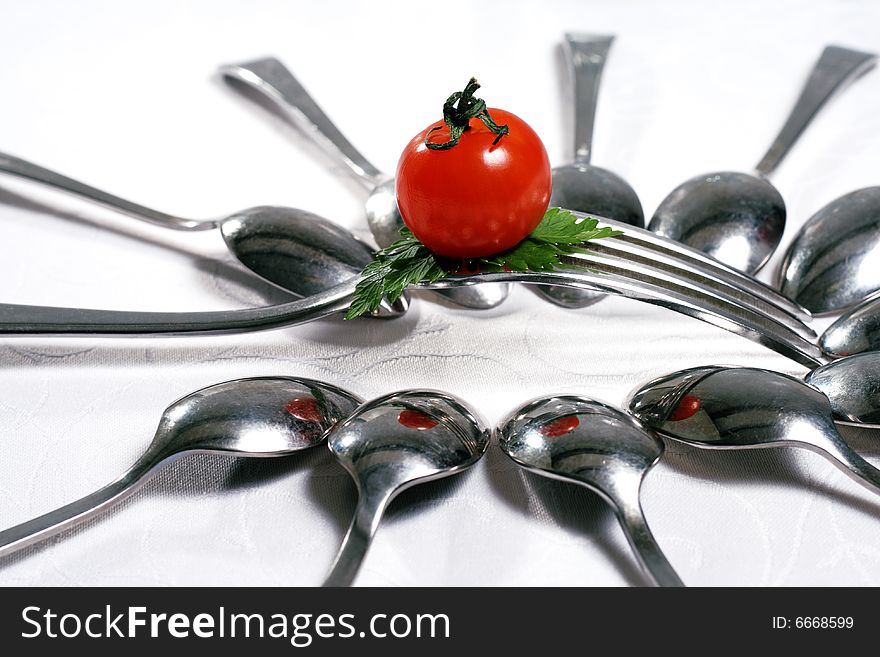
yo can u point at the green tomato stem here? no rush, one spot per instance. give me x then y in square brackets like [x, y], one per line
[458, 110]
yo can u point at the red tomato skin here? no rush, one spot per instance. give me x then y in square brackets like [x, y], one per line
[474, 199]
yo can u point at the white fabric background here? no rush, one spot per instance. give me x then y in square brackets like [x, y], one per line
[125, 96]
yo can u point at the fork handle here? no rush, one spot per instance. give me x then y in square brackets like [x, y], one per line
[16, 166]
[18, 319]
[273, 80]
[586, 55]
[720, 311]
[836, 68]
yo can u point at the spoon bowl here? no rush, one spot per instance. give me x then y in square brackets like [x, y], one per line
[299, 251]
[852, 385]
[594, 190]
[740, 408]
[855, 331]
[832, 264]
[736, 218]
[739, 218]
[586, 442]
[383, 217]
[395, 442]
[257, 417]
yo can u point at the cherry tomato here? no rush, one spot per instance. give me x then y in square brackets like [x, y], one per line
[474, 199]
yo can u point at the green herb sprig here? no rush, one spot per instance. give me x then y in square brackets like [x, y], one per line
[408, 261]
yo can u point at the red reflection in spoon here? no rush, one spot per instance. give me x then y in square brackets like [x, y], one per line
[416, 420]
[560, 426]
[687, 407]
[305, 408]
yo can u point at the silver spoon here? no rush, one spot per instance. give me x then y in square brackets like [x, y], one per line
[739, 408]
[832, 264]
[391, 444]
[852, 385]
[854, 332]
[262, 417]
[739, 218]
[295, 250]
[275, 83]
[586, 442]
[580, 185]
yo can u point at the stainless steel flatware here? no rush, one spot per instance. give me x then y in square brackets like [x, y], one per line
[261, 417]
[739, 218]
[740, 408]
[270, 78]
[638, 264]
[295, 250]
[580, 185]
[834, 261]
[395, 442]
[855, 331]
[589, 443]
[852, 385]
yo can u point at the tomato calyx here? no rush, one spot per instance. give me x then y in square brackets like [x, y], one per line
[458, 110]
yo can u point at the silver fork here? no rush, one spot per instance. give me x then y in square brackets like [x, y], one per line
[637, 265]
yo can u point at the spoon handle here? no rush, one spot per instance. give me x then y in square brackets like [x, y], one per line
[847, 459]
[586, 55]
[273, 80]
[371, 505]
[644, 545]
[52, 523]
[16, 166]
[835, 69]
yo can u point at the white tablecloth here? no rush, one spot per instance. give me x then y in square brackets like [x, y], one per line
[125, 96]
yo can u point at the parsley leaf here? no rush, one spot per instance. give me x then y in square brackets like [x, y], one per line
[408, 261]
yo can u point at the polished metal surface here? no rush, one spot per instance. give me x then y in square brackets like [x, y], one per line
[852, 385]
[595, 190]
[834, 261]
[260, 417]
[300, 251]
[580, 185]
[295, 250]
[739, 218]
[855, 331]
[274, 82]
[637, 265]
[391, 444]
[737, 408]
[16, 166]
[383, 217]
[583, 441]
[835, 70]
